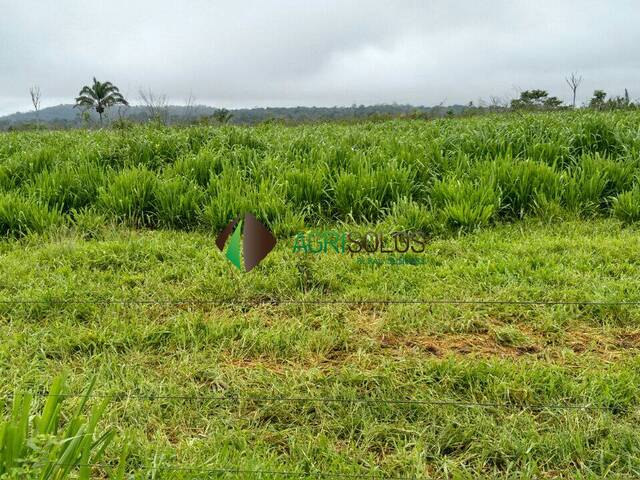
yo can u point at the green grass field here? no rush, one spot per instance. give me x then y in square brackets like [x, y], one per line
[109, 270]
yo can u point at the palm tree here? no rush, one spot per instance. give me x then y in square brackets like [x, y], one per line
[99, 97]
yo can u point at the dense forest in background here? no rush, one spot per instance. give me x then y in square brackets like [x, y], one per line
[65, 116]
[156, 109]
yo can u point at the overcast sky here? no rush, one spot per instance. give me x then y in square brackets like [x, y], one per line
[239, 53]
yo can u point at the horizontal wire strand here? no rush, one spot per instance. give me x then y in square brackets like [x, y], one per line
[319, 302]
[265, 399]
[237, 471]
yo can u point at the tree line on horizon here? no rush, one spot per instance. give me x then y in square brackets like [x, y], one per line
[100, 97]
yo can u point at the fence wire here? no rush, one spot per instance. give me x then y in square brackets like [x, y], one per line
[275, 302]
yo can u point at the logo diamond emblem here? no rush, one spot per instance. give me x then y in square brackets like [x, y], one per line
[257, 241]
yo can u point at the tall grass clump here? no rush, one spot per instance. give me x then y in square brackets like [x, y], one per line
[52, 445]
[7, 182]
[412, 216]
[619, 174]
[519, 184]
[130, 196]
[305, 189]
[242, 137]
[464, 205]
[156, 147]
[199, 168]
[367, 192]
[68, 187]
[26, 164]
[596, 133]
[228, 196]
[555, 154]
[178, 203]
[626, 206]
[535, 163]
[89, 223]
[591, 183]
[20, 216]
[351, 196]
[268, 203]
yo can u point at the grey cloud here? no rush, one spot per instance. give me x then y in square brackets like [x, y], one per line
[286, 52]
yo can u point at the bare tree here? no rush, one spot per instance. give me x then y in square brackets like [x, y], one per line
[574, 82]
[189, 108]
[509, 99]
[35, 100]
[156, 105]
[438, 110]
[496, 103]
[122, 112]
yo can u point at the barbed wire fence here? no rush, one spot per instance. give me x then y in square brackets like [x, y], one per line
[249, 302]
[121, 396]
[234, 399]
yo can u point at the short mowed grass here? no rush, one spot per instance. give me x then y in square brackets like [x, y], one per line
[252, 359]
[109, 273]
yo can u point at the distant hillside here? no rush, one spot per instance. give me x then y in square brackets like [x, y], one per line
[49, 114]
[67, 116]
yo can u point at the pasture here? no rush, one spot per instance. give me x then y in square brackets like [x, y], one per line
[512, 351]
